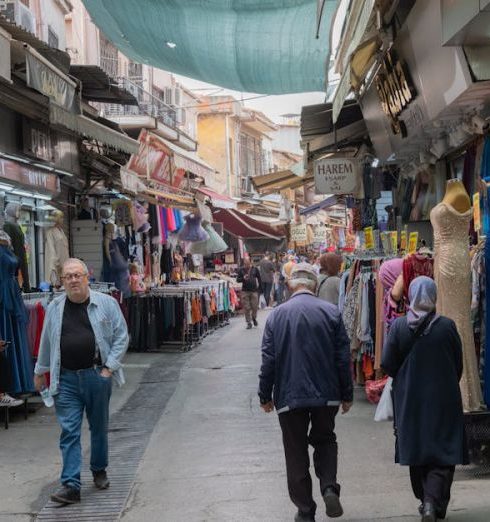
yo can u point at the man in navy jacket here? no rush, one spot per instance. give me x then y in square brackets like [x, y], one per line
[306, 375]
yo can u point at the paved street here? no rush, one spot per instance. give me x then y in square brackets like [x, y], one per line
[214, 456]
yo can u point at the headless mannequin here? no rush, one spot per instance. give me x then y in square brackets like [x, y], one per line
[12, 227]
[456, 196]
[55, 250]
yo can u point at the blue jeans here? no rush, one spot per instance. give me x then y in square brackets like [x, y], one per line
[83, 390]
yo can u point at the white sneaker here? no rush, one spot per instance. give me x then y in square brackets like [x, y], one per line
[9, 402]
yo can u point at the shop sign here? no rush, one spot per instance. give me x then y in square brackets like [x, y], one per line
[319, 235]
[151, 162]
[394, 241]
[369, 238]
[29, 177]
[413, 242]
[131, 182]
[336, 175]
[403, 240]
[477, 211]
[38, 141]
[298, 233]
[45, 80]
[395, 90]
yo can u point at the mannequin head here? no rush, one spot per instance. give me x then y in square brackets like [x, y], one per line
[12, 212]
[58, 218]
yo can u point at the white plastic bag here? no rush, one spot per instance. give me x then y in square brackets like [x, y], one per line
[384, 411]
[262, 303]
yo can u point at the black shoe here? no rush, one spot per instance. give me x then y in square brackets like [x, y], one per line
[100, 479]
[255, 322]
[428, 513]
[303, 517]
[249, 326]
[66, 495]
[332, 503]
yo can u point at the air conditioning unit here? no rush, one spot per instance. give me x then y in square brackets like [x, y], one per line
[16, 12]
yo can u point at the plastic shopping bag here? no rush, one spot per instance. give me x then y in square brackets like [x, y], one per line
[262, 303]
[384, 411]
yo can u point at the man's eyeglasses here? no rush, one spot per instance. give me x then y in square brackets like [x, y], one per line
[73, 277]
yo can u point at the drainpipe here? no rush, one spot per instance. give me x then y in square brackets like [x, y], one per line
[228, 164]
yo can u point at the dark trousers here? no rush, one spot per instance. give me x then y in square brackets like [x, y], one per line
[296, 435]
[433, 484]
[266, 289]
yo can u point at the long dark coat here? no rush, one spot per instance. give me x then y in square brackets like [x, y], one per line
[428, 409]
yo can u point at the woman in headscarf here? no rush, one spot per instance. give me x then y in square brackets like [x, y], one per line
[329, 280]
[423, 354]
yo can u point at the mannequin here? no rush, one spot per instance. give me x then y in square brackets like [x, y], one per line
[114, 265]
[452, 273]
[56, 251]
[12, 227]
[456, 196]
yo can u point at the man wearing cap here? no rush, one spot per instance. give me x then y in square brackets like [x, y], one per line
[306, 376]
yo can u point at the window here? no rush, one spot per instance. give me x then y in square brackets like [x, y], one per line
[53, 40]
[135, 71]
[108, 57]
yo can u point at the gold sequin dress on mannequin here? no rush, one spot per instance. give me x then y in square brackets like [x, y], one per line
[451, 220]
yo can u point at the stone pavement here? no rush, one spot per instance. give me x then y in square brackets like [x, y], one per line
[215, 456]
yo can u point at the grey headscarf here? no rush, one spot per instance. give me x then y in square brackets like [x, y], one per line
[422, 295]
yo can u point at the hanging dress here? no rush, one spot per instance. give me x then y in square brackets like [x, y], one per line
[452, 274]
[13, 325]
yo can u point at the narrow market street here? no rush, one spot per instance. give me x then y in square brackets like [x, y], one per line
[213, 454]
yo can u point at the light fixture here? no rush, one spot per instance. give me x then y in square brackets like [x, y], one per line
[32, 195]
[375, 163]
[172, 45]
[8, 188]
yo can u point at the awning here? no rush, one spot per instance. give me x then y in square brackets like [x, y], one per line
[58, 58]
[243, 226]
[187, 160]
[159, 197]
[217, 200]
[268, 47]
[326, 203]
[92, 129]
[281, 180]
[99, 87]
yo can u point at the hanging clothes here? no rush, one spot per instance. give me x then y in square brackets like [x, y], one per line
[13, 325]
[416, 265]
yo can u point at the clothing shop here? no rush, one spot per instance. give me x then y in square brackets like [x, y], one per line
[435, 144]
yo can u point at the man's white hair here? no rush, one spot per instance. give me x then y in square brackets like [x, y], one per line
[74, 260]
[302, 282]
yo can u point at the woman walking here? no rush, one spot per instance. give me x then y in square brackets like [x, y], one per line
[329, 280]
[423, 354]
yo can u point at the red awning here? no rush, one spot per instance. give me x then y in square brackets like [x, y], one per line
[243, 226]
[217, 200]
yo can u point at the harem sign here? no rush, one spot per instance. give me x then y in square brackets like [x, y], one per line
[336, 175]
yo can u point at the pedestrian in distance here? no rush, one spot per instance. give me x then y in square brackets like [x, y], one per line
[249, 276]
[267, 269]
[329, 280]
[424, 356]
[306, 376]
[83, 341]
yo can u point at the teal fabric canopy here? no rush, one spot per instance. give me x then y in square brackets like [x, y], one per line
[260, 46]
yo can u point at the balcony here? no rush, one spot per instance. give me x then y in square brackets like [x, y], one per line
[151, 112]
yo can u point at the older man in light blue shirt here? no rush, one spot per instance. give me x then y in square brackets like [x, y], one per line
[83, 341]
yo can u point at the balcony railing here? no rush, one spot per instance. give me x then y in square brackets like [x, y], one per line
[148, 105]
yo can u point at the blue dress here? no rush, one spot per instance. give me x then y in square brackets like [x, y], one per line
[13, 325]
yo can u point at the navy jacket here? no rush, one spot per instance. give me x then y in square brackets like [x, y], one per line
[305, 355]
